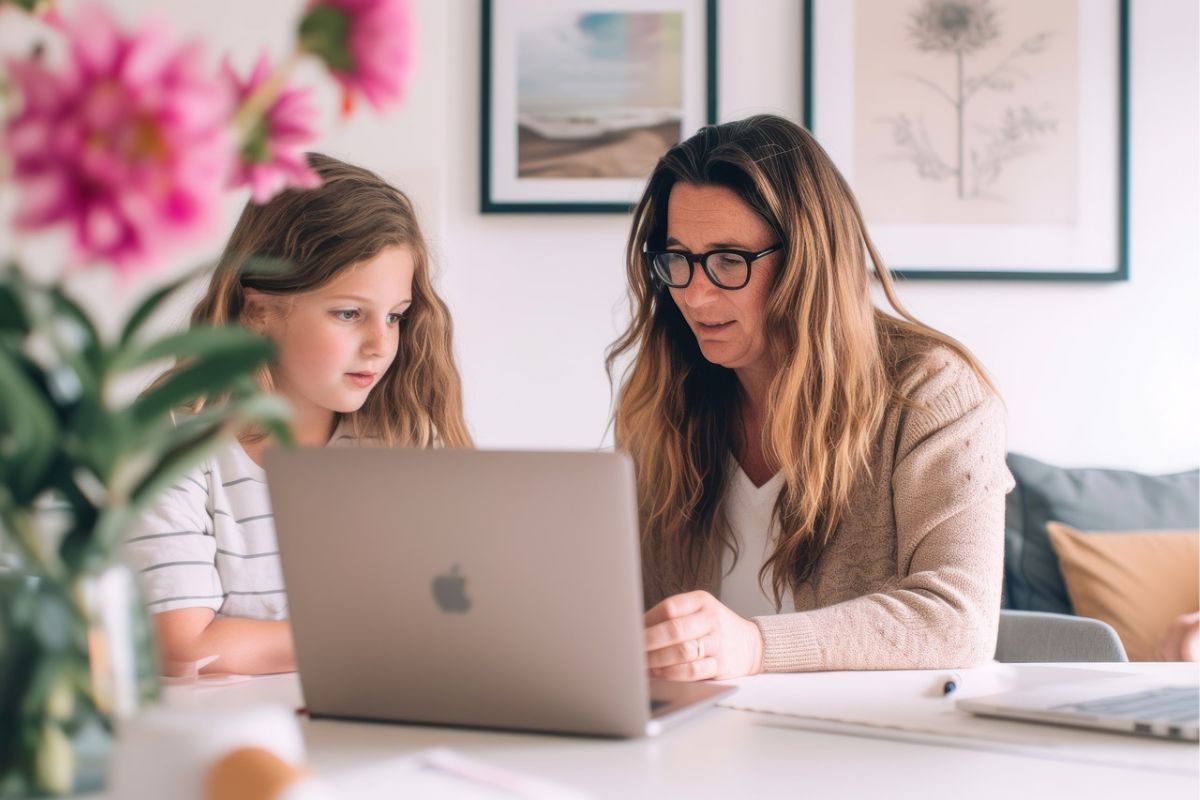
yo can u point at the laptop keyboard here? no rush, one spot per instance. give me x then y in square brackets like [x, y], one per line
[1169, 704]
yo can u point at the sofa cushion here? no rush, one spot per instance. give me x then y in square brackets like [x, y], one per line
[1094, 500]
[1139, 582]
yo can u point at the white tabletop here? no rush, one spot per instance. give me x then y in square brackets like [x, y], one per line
[736, 753]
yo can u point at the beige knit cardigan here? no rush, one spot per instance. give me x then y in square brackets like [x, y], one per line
[911, 578]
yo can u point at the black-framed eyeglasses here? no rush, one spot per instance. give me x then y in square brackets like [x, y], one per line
[727, 269]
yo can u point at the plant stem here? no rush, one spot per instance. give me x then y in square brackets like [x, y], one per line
[259, 100]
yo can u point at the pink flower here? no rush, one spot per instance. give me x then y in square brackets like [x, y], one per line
[272, 157]
[365, 43]
[127, 144]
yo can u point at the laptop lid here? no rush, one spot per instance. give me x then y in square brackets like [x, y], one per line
[464, 587]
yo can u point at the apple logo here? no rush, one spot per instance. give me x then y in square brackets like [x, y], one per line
[450, 592]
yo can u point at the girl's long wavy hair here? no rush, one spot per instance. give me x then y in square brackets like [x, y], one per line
[316, 234]
[837, 357]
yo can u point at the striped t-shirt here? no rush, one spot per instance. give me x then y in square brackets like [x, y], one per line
[209, 541]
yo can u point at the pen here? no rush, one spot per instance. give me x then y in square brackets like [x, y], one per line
[953, 681]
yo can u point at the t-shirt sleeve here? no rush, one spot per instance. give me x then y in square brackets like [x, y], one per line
[172, 548]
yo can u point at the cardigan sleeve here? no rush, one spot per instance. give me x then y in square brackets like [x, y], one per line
[948, 484]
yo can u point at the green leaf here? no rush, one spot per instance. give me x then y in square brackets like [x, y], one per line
[253, 266]
[95, 437]
[93, 344]
[72, 548]
[199, 341]
[29, 431]
[196, 443]
[151, 304]
[323, 32]
[216, 363]
[230, 417]
[12, 315]
[54, 622]
[197, 437]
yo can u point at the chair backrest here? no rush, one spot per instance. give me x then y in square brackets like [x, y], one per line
[1027, 636]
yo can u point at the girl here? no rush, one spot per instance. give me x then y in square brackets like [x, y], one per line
[821, 483]
[363, 346]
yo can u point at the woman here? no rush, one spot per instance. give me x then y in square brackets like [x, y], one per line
[821, 483]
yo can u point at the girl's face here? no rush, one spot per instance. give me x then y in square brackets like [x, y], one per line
[334, 344]
[728, 323]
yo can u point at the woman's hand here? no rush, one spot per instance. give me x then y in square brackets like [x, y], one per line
[693, 637]
[1182, 642]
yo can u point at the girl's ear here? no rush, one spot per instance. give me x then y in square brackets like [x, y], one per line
[255, 310]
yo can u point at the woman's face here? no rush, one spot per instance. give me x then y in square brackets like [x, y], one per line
[727, 323]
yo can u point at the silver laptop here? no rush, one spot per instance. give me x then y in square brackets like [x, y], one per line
[1125, 705]
[470, 587]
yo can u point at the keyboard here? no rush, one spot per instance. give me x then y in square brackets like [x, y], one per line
[1168, 704]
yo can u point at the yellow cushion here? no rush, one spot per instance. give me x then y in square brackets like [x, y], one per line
[1136, 581]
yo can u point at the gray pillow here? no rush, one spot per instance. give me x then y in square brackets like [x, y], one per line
[1087, 500]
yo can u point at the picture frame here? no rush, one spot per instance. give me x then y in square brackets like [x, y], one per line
[579, 98]
[991, 145]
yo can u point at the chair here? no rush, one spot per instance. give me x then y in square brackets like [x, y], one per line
[1046, 637]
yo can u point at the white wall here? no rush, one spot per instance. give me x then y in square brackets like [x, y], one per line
[1093, 374]
[1109, 374]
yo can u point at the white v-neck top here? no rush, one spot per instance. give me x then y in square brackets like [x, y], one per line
[750, 509]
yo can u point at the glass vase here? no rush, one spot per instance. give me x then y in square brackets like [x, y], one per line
[76, 655]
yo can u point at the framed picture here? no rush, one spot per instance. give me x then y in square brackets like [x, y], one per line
[581, 97]
[983, 138]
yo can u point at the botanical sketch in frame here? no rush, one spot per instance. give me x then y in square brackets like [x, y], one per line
[983, 138]
[581, 97]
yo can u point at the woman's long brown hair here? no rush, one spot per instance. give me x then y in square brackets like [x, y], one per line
[318, 233]
[837, 357]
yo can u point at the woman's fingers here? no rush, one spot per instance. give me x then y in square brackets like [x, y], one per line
[701, 670]
[676, 630]
[677, 605]
[692, 637]
[683, 652]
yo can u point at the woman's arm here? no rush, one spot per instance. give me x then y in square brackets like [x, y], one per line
[944, 613]
[1182, 641]
[247, 646]
[948, 485]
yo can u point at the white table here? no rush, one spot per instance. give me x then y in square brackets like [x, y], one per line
[730, 753]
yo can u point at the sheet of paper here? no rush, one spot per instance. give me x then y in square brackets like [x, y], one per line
[448, 774]
[188, 674]
[909, 705]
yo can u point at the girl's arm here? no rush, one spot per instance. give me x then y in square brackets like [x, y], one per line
[247, 646]
[173, 548]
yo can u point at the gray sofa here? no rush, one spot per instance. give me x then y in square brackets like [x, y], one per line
[1086, 499]
[1035, 600]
